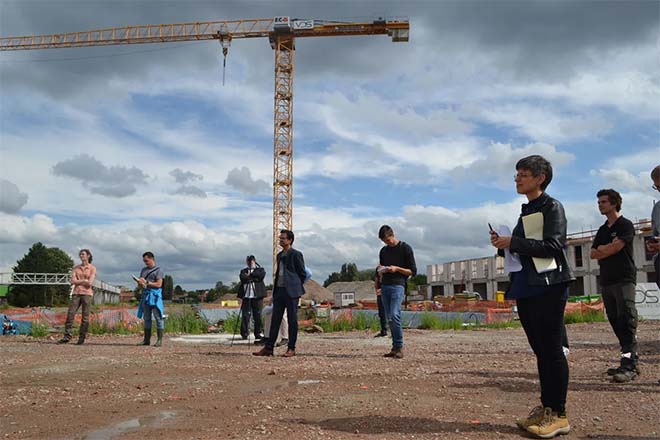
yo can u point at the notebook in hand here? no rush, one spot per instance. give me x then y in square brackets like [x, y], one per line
[533, 226]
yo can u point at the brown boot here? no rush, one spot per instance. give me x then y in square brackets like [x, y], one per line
[396, 353]
[289, 353]
[263, 352]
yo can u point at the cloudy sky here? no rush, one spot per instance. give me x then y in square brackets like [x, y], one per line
[123, 149]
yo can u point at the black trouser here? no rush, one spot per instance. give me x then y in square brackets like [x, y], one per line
[656, 266]
[283, 302]
[251, 306]
[382, 315]
[619, 300]
[542, 318]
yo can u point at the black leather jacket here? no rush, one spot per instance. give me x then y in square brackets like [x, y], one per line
[553, 243]
[256, 277]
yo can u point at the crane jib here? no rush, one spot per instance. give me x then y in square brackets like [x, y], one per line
[281, 32]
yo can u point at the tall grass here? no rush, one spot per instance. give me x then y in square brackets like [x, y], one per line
[431, 321]
[364, 321]
[590, 316]
[231, 323]
[39, 329]
[185, 320]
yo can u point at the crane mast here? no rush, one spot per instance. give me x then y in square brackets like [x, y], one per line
[281, 31]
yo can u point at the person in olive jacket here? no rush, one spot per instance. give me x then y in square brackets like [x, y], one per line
[540, 289]
[252, 292]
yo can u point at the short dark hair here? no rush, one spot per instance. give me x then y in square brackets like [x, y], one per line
[250, 258]
[89, 254]
[149, 254]
[385, 231]
[537, 165]
[613, 196]
[656, 172]
[289, 234]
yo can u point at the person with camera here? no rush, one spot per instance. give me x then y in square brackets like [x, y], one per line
[251, 292]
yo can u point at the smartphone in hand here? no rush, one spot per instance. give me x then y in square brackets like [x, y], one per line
[492, 231]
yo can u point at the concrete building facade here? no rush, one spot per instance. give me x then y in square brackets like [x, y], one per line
[486, 275]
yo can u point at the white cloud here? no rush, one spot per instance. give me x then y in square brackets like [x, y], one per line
[499, 160]
[190, 190]
[11, 198]
[241, 180]
[185, 176]
[623, 180]
[110, 181]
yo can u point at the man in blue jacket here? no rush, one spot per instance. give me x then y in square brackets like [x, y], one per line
[288, 288]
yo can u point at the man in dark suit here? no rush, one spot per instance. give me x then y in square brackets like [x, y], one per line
[288, 288]
[252, 292]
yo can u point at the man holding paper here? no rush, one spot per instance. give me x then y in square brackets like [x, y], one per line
[151, 300]
[613, 248]
[396, 265]
[540, 288]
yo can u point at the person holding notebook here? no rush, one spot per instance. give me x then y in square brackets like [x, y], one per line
[540, 289]
[151, 300]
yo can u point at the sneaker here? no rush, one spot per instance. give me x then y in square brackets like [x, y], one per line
[625, 375]
[535, 416]
[550, 426]
[282, 343]
[380, 335]
[64, 341]
[260, 341]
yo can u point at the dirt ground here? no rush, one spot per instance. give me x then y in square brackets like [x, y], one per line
[451, 385]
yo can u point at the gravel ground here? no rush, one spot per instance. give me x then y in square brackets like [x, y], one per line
[451, 385]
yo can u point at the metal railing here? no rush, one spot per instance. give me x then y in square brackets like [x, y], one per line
[51, 279]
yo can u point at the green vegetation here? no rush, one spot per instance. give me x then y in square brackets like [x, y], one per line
[41, 259]
[591, 316]
[185, 320]
[231, 323]
[431, 321]
[39, 329]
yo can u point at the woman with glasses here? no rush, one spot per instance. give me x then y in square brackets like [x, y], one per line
[540, 289]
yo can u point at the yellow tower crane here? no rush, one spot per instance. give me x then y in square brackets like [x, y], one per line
[281, 31]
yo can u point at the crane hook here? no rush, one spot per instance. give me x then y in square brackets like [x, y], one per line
[225, 42]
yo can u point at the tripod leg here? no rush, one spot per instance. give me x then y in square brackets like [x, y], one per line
[236, 325]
